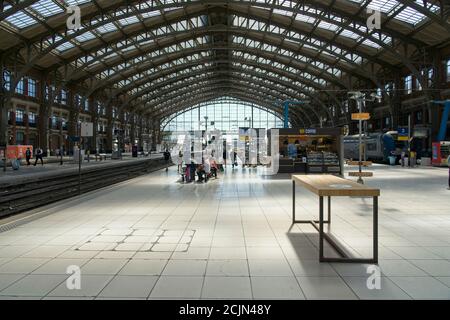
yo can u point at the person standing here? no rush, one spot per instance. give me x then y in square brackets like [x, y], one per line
[180, 161]
[39, 156]
[28, 156]
[402, 158]
[167, 158]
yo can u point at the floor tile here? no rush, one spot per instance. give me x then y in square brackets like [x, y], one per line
[325, 288]
[269, 267]
[129, 287]
[229, 268]
[311, 268]
[276, 288]
[90, 286]
[177, 287]
[34, 285]
[227, 288]
[386, 291]
[435, 268]
[103, 266]
[22, 265]
[141, 267]
[422, 287]
[185, 268]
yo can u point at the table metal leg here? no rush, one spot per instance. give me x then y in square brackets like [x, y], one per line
[293, 201]
[329, 210]
[320, 228]
[375, 229]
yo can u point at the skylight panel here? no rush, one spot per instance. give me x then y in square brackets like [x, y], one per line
[350, 34]
[130, 20]
[47, 8]
[305, 18]
[85, 36]
[328, 26]
[371, 44]
[109, 27]
[76, 2]
[65, 46]
[20, 20]
[151, 14]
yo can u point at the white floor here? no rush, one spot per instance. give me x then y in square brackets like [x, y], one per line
[153, 238]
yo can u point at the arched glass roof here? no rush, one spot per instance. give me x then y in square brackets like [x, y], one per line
[224, 114]
[154, 55]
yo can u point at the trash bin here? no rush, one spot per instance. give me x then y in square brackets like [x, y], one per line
[392, 160]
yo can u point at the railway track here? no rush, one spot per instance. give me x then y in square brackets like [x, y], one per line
[35, 192]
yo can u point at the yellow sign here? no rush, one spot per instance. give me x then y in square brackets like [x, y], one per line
[402, 138]
[360, 116]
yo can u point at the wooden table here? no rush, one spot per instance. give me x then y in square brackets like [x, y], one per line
[333, 186]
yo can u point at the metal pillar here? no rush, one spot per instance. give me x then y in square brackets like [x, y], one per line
[286, 114]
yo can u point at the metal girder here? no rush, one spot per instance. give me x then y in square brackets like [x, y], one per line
[243, 61]
[432, 16]
[88, 15]
[16, 6]
[233, 81]
[242, 88]
[303, 30]
[272, 79]
[191, 101]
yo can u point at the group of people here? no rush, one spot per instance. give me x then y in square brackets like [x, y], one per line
[39, 156]
[203, 171]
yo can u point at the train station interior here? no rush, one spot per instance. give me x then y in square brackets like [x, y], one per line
[223, 150]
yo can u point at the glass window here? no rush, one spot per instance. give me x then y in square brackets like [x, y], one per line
[225, 114]
[6, 80]
[430, 77]
[31, 88]
[19, 115]
[32, 118]
[63, 96]
[20, 138]
[408, 84]
[448, 70]
[20, 87]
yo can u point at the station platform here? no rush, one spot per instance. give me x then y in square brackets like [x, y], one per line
[153, 237]
[52, 166]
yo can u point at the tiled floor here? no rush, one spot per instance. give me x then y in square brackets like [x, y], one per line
[153, 238]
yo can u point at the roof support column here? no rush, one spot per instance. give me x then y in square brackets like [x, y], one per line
[44, 112]
[73, 118]
[109, 128]
[94, 117]
[132, 128]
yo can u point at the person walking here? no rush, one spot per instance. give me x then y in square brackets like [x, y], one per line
[167, 158]
[28, 156]
[39, 156]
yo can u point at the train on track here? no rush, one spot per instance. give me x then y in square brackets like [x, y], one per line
[379, 146]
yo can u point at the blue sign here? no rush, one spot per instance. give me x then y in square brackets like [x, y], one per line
[403, 131]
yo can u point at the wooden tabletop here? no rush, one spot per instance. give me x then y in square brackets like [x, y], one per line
[331, 185]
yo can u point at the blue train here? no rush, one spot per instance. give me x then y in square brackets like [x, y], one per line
[379, 146]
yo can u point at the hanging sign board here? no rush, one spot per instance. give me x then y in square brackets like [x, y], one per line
[403, 133]
[87, 129]
[360, 116]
